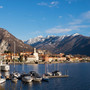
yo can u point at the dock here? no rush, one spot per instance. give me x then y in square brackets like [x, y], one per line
[61, 76]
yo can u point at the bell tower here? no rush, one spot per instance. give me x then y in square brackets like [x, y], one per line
[36, 54]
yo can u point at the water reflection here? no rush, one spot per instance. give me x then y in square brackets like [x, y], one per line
[26, 86]
[13, 86]
[35, 67]
[74, 70]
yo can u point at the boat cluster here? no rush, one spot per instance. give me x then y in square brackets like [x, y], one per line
[3, 67]
[25, 77]
[30, 77]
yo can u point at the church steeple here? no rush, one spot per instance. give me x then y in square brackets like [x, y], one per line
[34, 50]
[36, 54]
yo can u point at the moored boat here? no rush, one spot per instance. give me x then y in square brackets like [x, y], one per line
[49, 74]
[56, 73]
[15, 74]
[2, 79]
[14, 79]
[37, 79]
[27, 79]
[36, 76]
[45, 77]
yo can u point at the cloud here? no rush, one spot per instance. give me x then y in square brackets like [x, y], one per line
[60, 16]
[76, 21]
[57, 30]
[70, 1]
[51, 4]
[78, 27]
[1, 6]
[42, 4]
[70, 15]
[54, 4]
[83, 18]
[86, 15]
[77, 24]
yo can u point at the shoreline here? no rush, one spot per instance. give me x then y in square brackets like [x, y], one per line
[32, 63]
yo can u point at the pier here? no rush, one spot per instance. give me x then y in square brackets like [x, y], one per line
[61, 76]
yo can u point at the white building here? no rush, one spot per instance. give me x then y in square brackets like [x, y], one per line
[36, 54]
[33, 57]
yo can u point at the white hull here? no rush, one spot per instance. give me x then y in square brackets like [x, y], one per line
[2, 80]
[37, 79]
[57, 73]
[49, 73]
[14, 79]
[16, 74]
[27, 79]
[45, 79]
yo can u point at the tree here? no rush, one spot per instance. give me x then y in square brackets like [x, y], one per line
[7, 51]
[26, 57]
[21, 58]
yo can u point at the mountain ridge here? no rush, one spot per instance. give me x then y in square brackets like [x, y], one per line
[7, 42]
[68, 44]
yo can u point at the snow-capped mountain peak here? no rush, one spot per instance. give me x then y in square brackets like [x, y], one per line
[51, 37]
[76, 34]
[34, 40]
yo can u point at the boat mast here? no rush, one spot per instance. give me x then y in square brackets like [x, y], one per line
[45, 68]
[0, 71]
[23, 67]
[14, 56]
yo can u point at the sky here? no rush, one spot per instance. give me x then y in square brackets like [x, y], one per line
[31, 18]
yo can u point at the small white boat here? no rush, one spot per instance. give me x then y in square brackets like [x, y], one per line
[15, 74]
[14, 79]
[56, 73]
[27, 79]
[36, 76]
[49, 74]
[2, 79]
[37, 79]
[45, 77]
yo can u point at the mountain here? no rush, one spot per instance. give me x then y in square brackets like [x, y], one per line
[7, 41]
[68, 44]
[34, 40]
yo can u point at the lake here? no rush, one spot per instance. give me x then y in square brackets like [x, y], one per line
[79, 77]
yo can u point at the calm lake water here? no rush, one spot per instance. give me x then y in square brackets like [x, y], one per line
[79, 78]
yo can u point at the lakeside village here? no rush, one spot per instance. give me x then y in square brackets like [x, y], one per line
[38, 57]
[41, 57]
